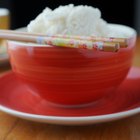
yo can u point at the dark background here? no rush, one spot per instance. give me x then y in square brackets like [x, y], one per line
[113, 11]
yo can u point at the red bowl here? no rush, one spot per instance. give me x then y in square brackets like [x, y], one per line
[69, 76]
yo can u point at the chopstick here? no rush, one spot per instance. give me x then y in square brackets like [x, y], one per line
[123, 42]
[86, 42]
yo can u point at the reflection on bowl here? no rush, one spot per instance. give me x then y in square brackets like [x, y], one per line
[70, 76]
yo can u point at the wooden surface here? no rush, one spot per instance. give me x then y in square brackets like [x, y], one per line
[12, 128]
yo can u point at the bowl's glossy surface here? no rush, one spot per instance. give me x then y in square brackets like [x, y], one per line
[70, 76]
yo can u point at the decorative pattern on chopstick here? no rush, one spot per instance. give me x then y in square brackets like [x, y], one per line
[77, 43]
[122, 41]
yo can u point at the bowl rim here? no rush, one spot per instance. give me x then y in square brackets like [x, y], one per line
[132, 32]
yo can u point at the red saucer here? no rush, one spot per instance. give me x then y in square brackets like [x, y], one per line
[17, 96]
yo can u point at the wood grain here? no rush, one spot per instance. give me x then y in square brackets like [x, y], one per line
[12, 128]
[7, 124]
[125, 129]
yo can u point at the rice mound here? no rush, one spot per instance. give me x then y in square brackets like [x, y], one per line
[69, 19]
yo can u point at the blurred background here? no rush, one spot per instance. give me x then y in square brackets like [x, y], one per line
[113, 11]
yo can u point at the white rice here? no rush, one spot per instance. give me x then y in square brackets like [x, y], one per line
[72, 20]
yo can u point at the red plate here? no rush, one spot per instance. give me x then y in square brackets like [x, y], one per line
[18, 97]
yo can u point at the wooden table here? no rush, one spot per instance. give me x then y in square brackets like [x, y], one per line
[12, 128]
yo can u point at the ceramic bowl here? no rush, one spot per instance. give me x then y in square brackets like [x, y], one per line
[71, 76]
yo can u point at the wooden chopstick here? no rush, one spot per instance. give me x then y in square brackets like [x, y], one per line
[123, 42]
[95, 43]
